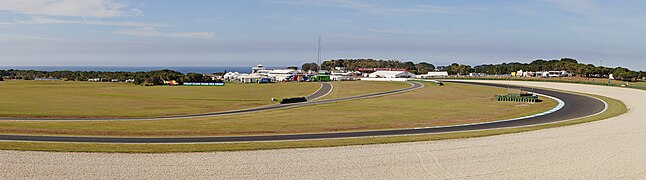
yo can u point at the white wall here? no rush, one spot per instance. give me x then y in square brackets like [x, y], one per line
[385, 79]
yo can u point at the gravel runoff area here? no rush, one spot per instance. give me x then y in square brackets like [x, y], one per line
[607, 149]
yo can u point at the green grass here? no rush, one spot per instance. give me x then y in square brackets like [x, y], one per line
[615, 108]
[88, 99]
[354, 88]
[433, 105]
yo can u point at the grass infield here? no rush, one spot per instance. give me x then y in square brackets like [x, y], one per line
[432, 105]
[60, 99]
[354, 88]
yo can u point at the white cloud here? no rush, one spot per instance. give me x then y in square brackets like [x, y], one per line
[137, 12]
[38, 20]
[70, 8]
[153, 32]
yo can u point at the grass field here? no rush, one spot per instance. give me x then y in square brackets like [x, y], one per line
[615, 108]
[87, 99]
[430, 106]
[354, 88]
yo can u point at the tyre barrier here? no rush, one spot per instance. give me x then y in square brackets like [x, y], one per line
[517, 98]
[293, 100]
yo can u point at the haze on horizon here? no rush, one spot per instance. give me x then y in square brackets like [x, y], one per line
[285, 32]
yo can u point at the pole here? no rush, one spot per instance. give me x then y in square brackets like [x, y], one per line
[318, 59]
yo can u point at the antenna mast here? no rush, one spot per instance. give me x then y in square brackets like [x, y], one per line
[318, 60]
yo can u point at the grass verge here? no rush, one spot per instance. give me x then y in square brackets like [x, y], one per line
[615, 108]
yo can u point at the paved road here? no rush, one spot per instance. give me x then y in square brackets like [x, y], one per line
[575, 106]
[608, 149]
[324, 90]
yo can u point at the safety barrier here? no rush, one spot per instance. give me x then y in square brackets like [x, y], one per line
[293, 100]
[516, 98]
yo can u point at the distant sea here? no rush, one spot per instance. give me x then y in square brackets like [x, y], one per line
[183, 69]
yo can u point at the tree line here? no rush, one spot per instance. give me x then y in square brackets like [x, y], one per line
[567, 64]
[148, 78]
[417, 68]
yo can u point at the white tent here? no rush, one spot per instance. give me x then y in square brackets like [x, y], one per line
[282, 74]
[391, 74]
[433, 74]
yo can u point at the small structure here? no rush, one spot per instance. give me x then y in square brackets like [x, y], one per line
[391, 74]
[95, 80]
[231, 76]
[250, 78]
[171, 83]
[557, 73]
[433, 74]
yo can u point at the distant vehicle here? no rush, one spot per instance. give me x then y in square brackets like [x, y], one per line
[320, 78]
[264, 80]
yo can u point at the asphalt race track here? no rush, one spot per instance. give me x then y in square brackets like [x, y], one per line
[576, 106]
[325, 89]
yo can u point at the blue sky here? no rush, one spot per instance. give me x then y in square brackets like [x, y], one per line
[285, 32]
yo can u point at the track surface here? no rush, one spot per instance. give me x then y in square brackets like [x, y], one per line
[575, 106]
[324, 90]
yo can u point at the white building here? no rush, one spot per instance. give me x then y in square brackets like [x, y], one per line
[433, 74]
[547, 74]
[257, 68]
[250, 78]
[391, 74]
[282, 74]
[557, 73]
[231, 76]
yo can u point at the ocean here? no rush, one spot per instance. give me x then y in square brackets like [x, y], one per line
[183, 69]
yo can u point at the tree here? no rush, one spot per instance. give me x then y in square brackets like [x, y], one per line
[459, 69]
[314, 67]
[292, 67]
[309, 66]
[424, 67]
[372, 63]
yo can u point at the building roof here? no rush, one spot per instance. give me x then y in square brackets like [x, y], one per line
[282, 71]
[388, 73]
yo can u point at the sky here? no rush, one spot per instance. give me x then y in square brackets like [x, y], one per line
[285, 32]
